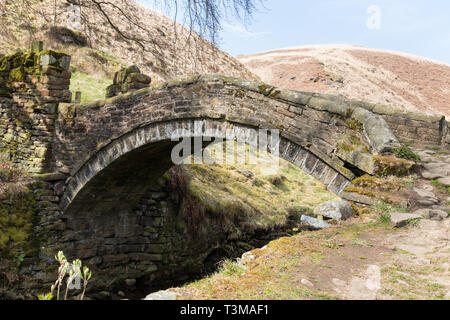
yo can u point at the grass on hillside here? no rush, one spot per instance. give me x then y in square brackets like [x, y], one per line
[92, 87]
[261, 194]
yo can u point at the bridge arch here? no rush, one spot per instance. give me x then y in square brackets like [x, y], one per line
[108, 139]
[120, 171]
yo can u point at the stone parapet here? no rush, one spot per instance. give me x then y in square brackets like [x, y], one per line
[413, 127]
[126, 80]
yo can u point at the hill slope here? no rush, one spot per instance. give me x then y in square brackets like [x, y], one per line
[371, 75]
[165, 54]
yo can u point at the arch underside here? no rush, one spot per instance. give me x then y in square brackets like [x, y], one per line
[118, 175]
[123, 218]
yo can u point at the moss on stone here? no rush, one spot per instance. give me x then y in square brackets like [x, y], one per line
[265, 89]
[387, 197]
[16, 68]
[55, 54]
[17, 74]
[352, 143]
[389, 165]
[390, 184]
[17, 216]
[354, 124]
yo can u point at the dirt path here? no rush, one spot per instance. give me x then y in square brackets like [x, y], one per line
[361, 259]
[411, 263]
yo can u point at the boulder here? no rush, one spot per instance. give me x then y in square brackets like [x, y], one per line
[314, 223]
[445, 181]
[379, 134]
[435, 214]
[438, 215]
[432, 174]
[427, 196]
[307, 283]
[162, 295]
[425, 213]
[362, 161]
[402, 219]
[443, 208]
[138, 77]
[436, 170]
[359, 198]
[339, 210]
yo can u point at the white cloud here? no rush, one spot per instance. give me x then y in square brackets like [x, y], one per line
[244, 32]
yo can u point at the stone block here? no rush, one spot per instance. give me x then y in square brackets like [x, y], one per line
[362, 161]
[399, 220]
[37, 46]
[138, 77]
[145, 257]
[115, 259]
[339, 210]
[314, 223]
[54, 59]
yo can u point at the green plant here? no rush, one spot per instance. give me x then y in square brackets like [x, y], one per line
[413, 222]
[86, 275]
[228, 268]
[18, 259]
[47, 296]
[405, 152]
[385, 218]
[440, 186]
[276, 180]
[385, 207]
[74, 271]
[62, 270]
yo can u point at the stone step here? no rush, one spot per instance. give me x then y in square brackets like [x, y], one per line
[371, 197]
[376, 164]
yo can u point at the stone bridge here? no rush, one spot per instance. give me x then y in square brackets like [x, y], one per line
[127, 140]
[99, 164]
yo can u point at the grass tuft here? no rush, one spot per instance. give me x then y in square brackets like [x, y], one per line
[231, 268]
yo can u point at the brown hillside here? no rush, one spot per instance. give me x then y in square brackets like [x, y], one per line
[166, 55]
[371, 75]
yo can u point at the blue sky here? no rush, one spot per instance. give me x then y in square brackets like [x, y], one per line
[418, 27]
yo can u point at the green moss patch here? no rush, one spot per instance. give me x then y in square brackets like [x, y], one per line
[352, 143]
[390, 184]
[388, 165]
[387, 197]
[405, 152]
[17, 213]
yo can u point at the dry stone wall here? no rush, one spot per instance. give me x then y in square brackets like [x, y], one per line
[412, 127]
[31, 86]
